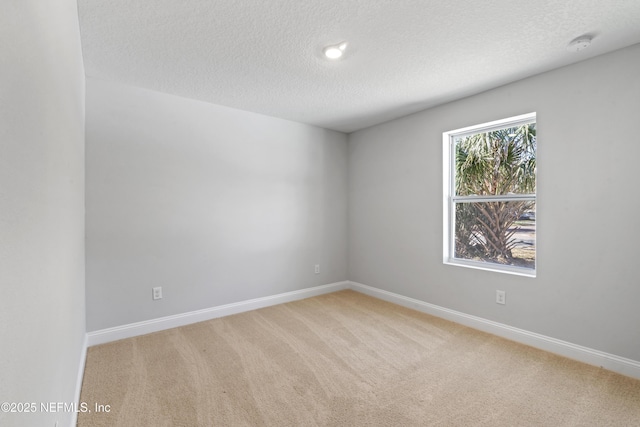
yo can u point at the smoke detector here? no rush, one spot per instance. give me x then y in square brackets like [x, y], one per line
[579, 44]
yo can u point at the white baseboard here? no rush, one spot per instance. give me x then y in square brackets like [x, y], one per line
[154, 325]
[587, 355]
[621, 365]
[79, 378]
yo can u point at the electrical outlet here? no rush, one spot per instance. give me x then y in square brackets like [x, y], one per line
[501, 297]
[317, 269]
[157, 293]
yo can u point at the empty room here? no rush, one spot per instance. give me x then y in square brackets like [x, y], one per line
[319, 213]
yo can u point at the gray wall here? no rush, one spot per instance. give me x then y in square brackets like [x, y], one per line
[42, 306]
[587, 287]
[215, 205]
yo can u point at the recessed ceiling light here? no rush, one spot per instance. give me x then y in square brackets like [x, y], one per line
[335, 51]
[579, 44]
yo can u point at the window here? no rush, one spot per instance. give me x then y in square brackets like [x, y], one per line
[490, 196]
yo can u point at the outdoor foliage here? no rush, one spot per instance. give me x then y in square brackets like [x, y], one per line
[495, 163]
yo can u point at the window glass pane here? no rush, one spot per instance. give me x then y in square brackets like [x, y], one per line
[496, 232]
[498, 162]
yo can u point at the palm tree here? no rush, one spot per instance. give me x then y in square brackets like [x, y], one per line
[496, 163]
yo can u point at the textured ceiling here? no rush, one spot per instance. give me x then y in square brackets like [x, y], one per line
[403, 56]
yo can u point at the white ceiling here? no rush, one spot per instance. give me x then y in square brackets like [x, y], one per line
[403, 56]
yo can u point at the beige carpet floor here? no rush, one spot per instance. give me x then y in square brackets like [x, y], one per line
[345, 359]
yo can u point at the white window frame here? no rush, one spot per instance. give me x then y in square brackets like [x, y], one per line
[450, 199]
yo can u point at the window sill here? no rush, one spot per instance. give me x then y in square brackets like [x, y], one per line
[498, 268]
